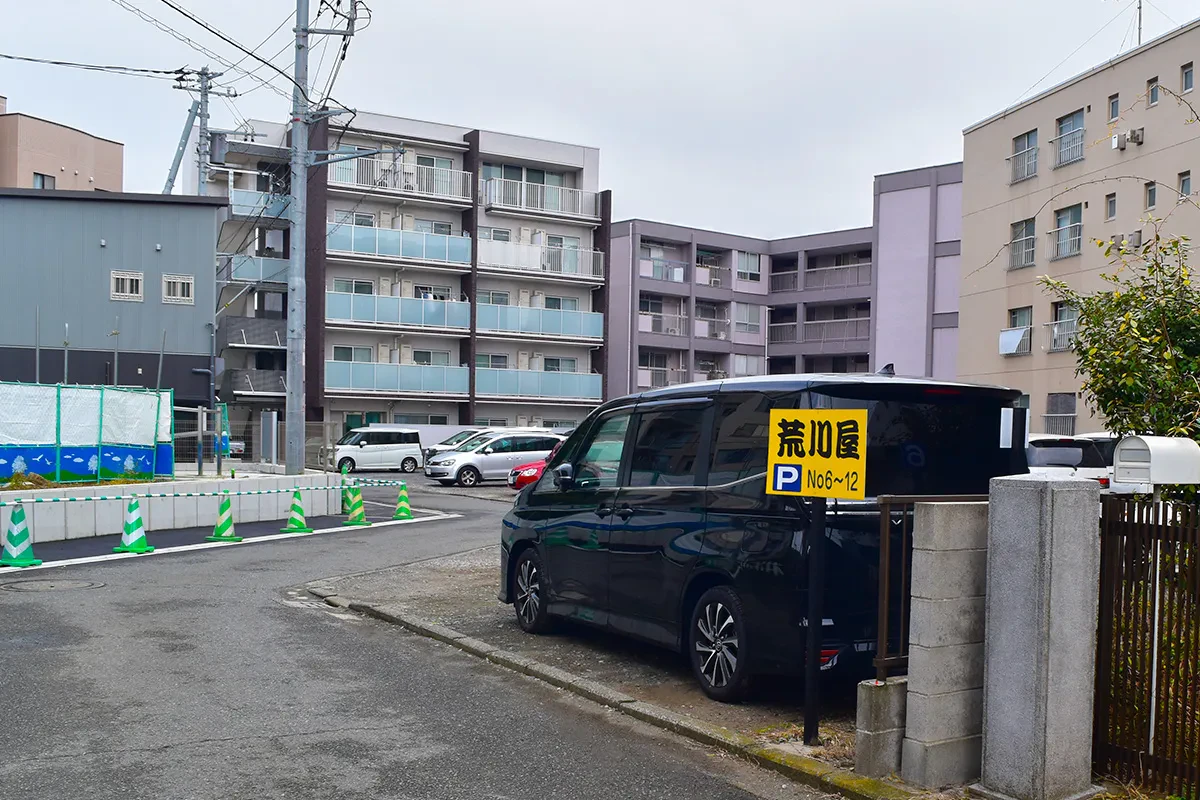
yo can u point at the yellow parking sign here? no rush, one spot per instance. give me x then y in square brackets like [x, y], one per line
[818, 453]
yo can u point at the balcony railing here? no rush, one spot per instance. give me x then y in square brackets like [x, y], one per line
[540, 198]
[372, 377]
[781, 332]
[1066, 241]
[541, 258]
[254, 333]
[539, 321]
[247, 203]
[663, 269]
[1062, 334]
[1022, 165]
[255, 381]
[840, 277]
[706, 328]
[253, 269]
[1016, 341]
[412, 245]
[838, 330]
[1068, 148]
[785, 281]
[376, 309]
[712, 275]
[1058, 424]
[385, 174]
[1022, 252]
[658, 377]
[531, 383]
[670, 324]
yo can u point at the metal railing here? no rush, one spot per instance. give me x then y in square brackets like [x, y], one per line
[781, 332]
[378, 309]
[838, 330]
[247, 203]
[1058, 424]
[384, 174]
[711, 275]
[659, 377]
[541, 258]
[1024, 345]
[670, 324]
[538, 197]
[841, 277]
[785, 281]
[1068, 148]
[255, 381]
[706, 328]
[1022, 165]
[664, 269]
[362, 376]
[541, 321]
[531, 383]
[1062, 334]
[1022, 252]
[251, 332]
[1066, 241]
[252, 269]
[413, 245]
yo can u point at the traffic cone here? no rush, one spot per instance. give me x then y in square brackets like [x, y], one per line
[224, 531]
[18, 542]
[133, 539]
[402, 509]
[345, 488]
[296, 522]
[356, 514]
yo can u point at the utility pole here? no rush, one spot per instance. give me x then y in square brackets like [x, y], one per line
[204, 86]
[1139, 13]
[297, 302]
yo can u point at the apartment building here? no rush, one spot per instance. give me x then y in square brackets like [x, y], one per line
[704, 304]
[455, 275]
[40, 154]
[1090, 160]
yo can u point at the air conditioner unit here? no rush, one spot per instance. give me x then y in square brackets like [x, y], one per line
[522, 421]
[673, 331]
[714, 282]
[1135, 239]
[722, 335]
[1137, 135]
[1118, 141]
[537, 422]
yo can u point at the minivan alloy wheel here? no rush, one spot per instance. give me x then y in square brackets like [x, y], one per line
[529, 586]
[717, 644]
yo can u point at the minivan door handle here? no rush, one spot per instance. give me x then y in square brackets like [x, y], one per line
[624, 512]
[604, 511]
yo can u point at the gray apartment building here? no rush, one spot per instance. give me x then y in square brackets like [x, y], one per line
[91, 281]
[704, 304]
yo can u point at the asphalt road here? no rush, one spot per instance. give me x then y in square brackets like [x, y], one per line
[209, 674]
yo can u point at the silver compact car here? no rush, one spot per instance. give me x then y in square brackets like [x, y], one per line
[489, 457]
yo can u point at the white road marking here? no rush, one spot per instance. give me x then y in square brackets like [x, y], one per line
[212, 545]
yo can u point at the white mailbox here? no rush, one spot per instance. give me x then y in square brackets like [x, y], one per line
[1157, 460]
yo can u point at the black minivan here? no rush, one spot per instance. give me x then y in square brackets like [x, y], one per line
[653, 520]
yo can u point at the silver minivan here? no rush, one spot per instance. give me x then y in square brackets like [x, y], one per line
[489, 457]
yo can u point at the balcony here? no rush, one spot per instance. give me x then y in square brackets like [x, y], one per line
[1023, 165]
[1068, 148]
[396, 312]
[846, 276]
[429, 248]
[1016, 341]
[388, 176]
[1058, 424]
[539, 199]
[838, 330]
[781, 332]
[365, 377]
[785, 281]
[556, 262]
[660, 377]
[246, 203]
[1066, 241]
[251, 333]
[1022, 252]
[670, 324]
[539, 322]
[709, 274]
[1062, 334]
[663, 269]
[710, 329]
[270, 383]
[252, 269]
[532, 384]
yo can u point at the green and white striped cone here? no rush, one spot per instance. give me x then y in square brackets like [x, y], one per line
[18, 541]
[357, 515]
[133, 539]
[296, 522]
[224, 530]
[403, 511]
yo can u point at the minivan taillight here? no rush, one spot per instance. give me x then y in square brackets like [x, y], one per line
[1103, 482]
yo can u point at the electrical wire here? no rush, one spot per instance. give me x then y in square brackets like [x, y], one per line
[1069, 55]
[1159, 10]
[263, 43]
[161, 74]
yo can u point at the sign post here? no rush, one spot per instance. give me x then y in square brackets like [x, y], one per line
[819, 454]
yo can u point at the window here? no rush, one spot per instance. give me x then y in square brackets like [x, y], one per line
[435, 161]
[354, 218]
[1110, 206]
[600, 463]
[351, 286]
[650, 304]
[1059, 418]
[41, 181]
[491, 422]
[420, 419]
[1023, 401]
[179, 289]
[496, 234]
[1185, 185]
[1020, 317]
[1016, 339]
[1185, 77]
[126, 286]
[1070, 139]
[1151, 195]
[666, 446]
[346, 353]
[1023, 246]
[562, 303]
[558, 364]
[747, 318]
[1026, 141]
[1152, 91]
[433, 226]
[739, 445]
[1062, 331]
[491, 298]
[433, 292]
[506, 171]
[1024, 156]
[1114, 107]
[559, 423]
[491, 360]
[1067, 236]
[749, 267]
[649, 359]
[747, 365]
[435, 358]
[563, 242]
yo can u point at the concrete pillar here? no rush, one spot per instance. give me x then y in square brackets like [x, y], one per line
[943, 742]
[880, 727]
[1039, 659]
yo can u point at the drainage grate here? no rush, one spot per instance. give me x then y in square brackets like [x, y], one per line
[48, 585]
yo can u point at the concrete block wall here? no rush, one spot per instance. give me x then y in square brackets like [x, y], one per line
[943, 741]
[882, 707]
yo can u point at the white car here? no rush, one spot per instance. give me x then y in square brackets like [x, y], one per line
[1071, 456]
[379, 447]
[490, 456]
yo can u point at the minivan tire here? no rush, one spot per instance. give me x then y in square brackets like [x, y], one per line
[529, 593]
[716, 644]
[408, 465]
[346, 464]
[468, 477]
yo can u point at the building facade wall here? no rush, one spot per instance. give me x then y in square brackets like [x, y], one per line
[76, 160]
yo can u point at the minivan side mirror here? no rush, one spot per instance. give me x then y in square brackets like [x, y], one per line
[487, 451]
[362, 442]
[564, 477]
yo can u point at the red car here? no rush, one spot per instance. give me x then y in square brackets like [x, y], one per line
[522, 476]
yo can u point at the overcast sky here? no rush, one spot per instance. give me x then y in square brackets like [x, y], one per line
[765, 117]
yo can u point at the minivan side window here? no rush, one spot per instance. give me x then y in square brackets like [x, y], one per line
[506, 445]
[410, 437]
[666, 446]
[541, 444]
[600, 462]
[739, 447]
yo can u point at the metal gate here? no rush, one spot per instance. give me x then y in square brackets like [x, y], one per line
[1147, 712]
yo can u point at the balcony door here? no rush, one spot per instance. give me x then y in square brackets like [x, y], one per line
[434, 175]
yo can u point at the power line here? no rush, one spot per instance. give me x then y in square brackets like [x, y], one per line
[263, 43]
[161, 74]
[1073, 52]
[1159, 10]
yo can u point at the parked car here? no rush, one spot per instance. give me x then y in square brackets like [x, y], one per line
[489, 457]
[1106, 444]
[1068, 456]
[525, 474]
[379, 447]
[652, 519]
[451, 443]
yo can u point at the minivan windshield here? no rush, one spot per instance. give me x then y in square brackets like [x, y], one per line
[459, 437]
[351, 438]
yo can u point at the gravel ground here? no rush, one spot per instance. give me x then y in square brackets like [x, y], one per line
[459, 591]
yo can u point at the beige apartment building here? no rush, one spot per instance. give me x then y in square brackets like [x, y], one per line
[1093, 159]
[39, 154]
